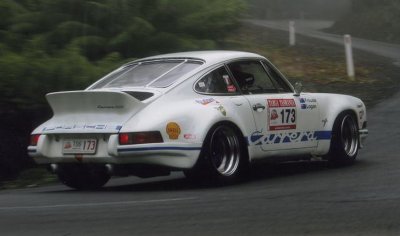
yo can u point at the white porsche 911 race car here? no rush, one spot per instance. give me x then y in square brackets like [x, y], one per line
[207, 113]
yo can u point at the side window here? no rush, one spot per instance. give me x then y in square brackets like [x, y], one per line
[252, 77]
[217, 81]
[277, 79]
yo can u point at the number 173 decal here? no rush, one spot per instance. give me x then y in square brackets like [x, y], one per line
[281, 114]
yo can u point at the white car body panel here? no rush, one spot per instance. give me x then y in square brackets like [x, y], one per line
[104, 113]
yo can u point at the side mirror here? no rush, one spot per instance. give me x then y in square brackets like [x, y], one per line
[298, 88]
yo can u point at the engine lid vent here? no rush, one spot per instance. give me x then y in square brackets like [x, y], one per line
[141, 96]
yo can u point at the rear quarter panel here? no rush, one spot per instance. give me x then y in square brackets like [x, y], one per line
[194, 114]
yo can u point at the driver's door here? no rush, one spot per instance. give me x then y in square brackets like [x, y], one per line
[279, 115]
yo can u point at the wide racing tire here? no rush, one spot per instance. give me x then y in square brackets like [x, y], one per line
[345, 140]
[223, 158]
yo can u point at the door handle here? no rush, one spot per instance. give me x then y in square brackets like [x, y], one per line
[258, 107]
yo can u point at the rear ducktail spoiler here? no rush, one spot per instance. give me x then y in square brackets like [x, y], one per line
[76, 109]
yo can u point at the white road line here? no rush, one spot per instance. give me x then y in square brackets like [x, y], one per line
[97, 204]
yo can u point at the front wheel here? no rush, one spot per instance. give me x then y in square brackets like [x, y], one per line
[345, 142]
[83, 177]
[223, 157]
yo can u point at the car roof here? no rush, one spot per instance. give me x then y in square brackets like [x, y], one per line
[208, 57]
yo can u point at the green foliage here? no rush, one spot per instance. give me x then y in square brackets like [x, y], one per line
[132, 41]
[8, 9]
[48, 45]
[32, 74]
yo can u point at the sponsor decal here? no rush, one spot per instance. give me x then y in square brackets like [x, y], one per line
[258, 138]
[173, 130]
[281, 103]
[281, 114]
[189, 136]
[231, 88]
[101, 126]
[84, 126]
[311, 100]
[110, 107]
[205, 101]
[308, 103]
[221, 109]
[324, 121]
[308, 107]
[274, 114]
[67, 144]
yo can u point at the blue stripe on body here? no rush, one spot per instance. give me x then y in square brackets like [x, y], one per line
[323, 135]
[159, 148]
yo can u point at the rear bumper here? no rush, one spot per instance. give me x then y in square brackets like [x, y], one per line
[171, 155]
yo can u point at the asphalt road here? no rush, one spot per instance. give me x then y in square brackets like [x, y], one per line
[312, 29]
[307, 198]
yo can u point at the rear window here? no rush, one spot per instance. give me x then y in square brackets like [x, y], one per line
[152, 74]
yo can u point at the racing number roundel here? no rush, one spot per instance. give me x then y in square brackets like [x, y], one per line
[281, 114]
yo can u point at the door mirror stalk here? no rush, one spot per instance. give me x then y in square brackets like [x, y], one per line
[298, 88]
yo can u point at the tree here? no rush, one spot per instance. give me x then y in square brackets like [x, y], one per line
[48, 46]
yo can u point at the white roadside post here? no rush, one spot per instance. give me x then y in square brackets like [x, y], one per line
[292, 34]
[349, 56]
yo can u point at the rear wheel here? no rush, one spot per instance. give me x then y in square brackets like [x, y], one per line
[344, 143]
[83, 177]
[223, 157]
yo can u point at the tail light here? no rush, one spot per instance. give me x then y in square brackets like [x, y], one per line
[34, 139]
[140, 138]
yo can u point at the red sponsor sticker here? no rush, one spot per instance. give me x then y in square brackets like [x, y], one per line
[231, 88]
[189, 136]
[281, 103]
[282, 127]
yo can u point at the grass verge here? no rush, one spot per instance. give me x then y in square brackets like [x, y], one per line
[320, 65]
[29, 178]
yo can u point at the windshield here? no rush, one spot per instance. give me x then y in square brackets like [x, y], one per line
[153, 74]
